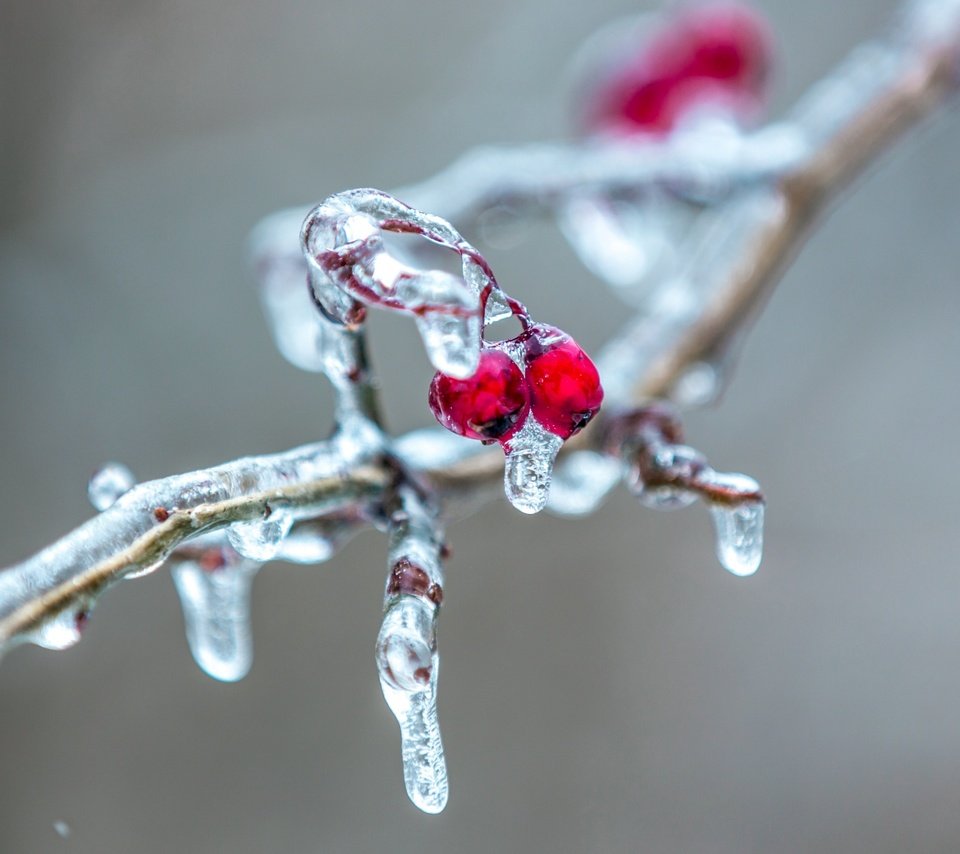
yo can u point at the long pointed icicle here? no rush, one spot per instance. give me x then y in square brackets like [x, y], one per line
[407, 647]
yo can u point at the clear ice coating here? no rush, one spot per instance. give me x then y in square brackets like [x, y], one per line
[260, 539]
[108, 484]
[216, 611]
[528, 468]
[677, 463]
[739, 532]
[408, 665]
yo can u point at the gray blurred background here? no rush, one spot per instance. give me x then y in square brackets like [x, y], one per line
[606, 687]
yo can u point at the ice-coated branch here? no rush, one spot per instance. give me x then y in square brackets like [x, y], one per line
[47, 598]
[737, 204]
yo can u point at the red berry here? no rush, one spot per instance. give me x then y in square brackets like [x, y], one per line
[565, 390]
[491, 405]
[717, 54]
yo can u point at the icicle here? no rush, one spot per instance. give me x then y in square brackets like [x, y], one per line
[62, 630]
[216, 611]
[260, 539]
[739, 530]
[450, 336]
[529, 466]
[406, 650]
[424, 766]
[108, 484]
[582, 481]
[408, 665]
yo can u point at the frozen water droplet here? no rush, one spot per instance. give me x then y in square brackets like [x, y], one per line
[62, 630]
[260, 539]
[529, 466]
[108, 484]
[424, 765]
[582, 481]
[62, 829]
[739, 530]
[216, 610]
[452, 342]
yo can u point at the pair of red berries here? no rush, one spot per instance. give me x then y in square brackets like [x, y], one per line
[559, 385]
[717, 54]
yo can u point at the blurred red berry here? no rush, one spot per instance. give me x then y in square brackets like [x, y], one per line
[491, 405]
[717, 54]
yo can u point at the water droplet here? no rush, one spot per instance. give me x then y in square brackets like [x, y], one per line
[260, 539]
[582, 481]
[62, 829]
[62, 630]
[739, 530]
[530, 455]
[216, 611]
[108, 484]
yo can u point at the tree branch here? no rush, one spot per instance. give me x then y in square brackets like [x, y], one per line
[844, 125]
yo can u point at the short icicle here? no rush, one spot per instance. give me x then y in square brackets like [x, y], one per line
[739, 530]
[216, 612]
